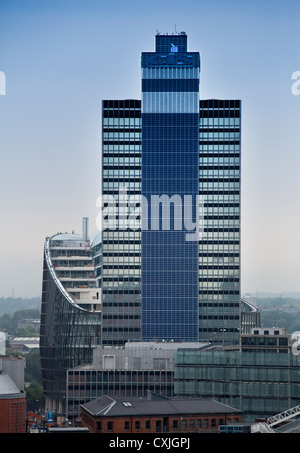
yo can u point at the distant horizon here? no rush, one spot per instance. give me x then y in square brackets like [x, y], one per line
[253, 294]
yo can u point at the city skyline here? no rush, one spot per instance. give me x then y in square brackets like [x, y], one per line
[50, 119]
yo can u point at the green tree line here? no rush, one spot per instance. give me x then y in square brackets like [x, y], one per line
[8, 323]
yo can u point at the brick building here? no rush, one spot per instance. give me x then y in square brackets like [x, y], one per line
[172, 415]
[12, 406]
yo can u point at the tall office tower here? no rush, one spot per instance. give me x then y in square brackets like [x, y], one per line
[170, 156]
[161, 280]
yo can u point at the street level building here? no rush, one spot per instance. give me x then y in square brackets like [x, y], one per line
[167, 415]
[12, 395]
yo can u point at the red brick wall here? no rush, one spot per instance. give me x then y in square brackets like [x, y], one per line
[208, 423]
[13, 415]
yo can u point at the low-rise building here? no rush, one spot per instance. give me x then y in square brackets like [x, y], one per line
[24, 344]
[130, 371]
[261, 381]
[12, 395]
[270, 339]
[152, 415]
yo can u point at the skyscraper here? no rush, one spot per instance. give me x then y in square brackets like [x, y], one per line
[161, 279]
[170, 156]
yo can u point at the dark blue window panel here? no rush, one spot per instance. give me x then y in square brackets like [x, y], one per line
[170, 275]
[182, 85]
[169, 59]
[170, 119]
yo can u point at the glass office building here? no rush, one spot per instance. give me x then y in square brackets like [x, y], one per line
[219, 249]
[70, 313]
[121, 245]
[161, 280]
[170, 156]
[259, 383]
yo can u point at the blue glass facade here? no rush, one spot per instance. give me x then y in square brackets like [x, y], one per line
[156, 284]
[170, 159]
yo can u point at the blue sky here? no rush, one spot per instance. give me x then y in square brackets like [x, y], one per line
[61, 58]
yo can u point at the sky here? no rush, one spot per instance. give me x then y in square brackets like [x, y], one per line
[60, 58]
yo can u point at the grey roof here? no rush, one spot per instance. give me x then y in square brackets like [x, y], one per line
[7, 387]
[127, 406]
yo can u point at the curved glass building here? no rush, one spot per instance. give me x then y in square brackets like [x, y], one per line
[250, 317]
[70, 311]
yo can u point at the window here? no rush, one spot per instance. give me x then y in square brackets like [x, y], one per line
[126, 426]
[183, 424]
[137, 424]
[109, 362]
[98, 426]
[110, 426]
[192, 423]
[158, 426]
[175, 424]
[205, 423]
[137, 363]
[213, 422]
[159, 364]
[147, 424]
[199, 423]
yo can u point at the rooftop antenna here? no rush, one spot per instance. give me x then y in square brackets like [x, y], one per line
[175, 30]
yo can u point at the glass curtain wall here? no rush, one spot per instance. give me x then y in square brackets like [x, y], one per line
[170, 134]
[121, 188]
[219, 248]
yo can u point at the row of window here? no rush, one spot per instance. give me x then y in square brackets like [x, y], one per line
[177, 424]
[214, 139]
[134, 160]
[181, 171]
[206, 148]
[136, 133]
[212, 242]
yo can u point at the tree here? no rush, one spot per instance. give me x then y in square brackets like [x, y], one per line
[34, 396]
[33, 367]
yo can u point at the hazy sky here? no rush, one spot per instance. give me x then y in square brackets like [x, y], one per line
[62, 57]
